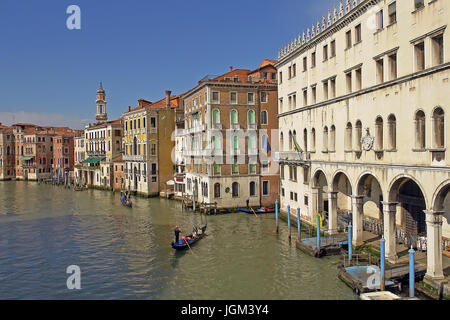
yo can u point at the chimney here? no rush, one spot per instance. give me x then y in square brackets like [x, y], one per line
[129, 108]
[168, 92]
[231, 68]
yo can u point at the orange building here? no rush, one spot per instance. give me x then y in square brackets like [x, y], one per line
[118, 173]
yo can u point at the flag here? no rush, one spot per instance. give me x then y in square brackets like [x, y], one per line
[296, 145]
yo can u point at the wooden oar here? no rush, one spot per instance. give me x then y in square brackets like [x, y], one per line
[189, 246]
[254, 212]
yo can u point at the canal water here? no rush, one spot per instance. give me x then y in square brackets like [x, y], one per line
[125, 253]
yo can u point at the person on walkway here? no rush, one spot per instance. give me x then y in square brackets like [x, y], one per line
[177, 234]
[248, 203]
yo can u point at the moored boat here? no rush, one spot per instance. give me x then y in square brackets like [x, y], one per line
[261, 210]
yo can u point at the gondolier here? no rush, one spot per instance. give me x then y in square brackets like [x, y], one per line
[177, 234]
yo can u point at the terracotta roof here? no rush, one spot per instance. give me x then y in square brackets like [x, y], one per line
[118, 159]
[161, 104]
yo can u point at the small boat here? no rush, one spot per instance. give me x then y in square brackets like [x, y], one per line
[181, 245]
[127, 203]
[79, 188]
[257, 211]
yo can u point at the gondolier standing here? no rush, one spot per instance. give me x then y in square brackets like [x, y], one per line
[177, 234]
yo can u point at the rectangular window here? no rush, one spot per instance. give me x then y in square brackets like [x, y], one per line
[305, 200]
[325, 52]
[153, 168]
[380, 71]
[333, 48]
[379, 20]
[325, 90]
[313, 60]
[358, 78]
[265, 166]
[333, 87]
[263, 96]
[419, 53]
[305, 97]
[152, 122]
[250, 98]
[235, 168]
[294, 70]
[233, 97]
[281, 77]
[392, 66]
[358, 33]
[392, 11]
[348, 39]
[290, 72]
[252, 168]
[419, 4]
[295, 197]
[438, 49]
[305, 64]
[215, 97]
[265, 188]
[313, 95]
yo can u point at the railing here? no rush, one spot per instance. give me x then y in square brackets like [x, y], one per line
[134, 158]
[292, 156]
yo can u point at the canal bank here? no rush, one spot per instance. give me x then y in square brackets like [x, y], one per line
[125, 253]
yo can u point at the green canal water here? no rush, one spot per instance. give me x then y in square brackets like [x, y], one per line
[125, 253]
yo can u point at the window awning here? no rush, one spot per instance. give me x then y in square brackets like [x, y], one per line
[93, 160]
[27, 158]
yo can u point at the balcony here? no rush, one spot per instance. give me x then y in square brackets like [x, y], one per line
[235, 126]
[180, 132]
[252, 151]
[292, 156]
[217, 126]
[192, 153]
[134, 158]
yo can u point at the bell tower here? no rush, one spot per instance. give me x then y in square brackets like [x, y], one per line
[101, 115]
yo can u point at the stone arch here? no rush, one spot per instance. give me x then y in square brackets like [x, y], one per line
[412, 201]
[368, 187]
[440, 195]
[320, 187]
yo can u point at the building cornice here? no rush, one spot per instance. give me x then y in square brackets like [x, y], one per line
[298, 48]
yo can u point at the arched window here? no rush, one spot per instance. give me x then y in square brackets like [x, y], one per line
[251, 117]
[333, 138]
[438, 128]
[234, 117]
[305, 139]
[281, 142]
[348, 137]
[325, 139]
[252, 188]
[392, 132]
[217, 190]
[8, 150]
[420, 129]
[313, 139]
[216, 116]
[358, 135]
[264, 117]
[235, 189]
[379, 134]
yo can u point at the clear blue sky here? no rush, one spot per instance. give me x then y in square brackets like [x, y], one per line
[49, 74]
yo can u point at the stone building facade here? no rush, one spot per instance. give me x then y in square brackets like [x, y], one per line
[364, 95]
[229, 123]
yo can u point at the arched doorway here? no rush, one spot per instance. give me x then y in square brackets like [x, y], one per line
[340, 201]
[409, 196]
[370, 189]
[319, 196]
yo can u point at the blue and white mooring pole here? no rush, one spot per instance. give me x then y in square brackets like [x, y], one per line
[350, 242]
[298, 224]
[411, 272]
[276, 213]
[382, 255]
[318, 232]
[289, 219]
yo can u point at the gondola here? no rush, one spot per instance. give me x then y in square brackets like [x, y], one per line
[128, 204]
[181, 245]
[257, 211]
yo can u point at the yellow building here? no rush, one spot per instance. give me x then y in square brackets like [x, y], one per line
[148, 145]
